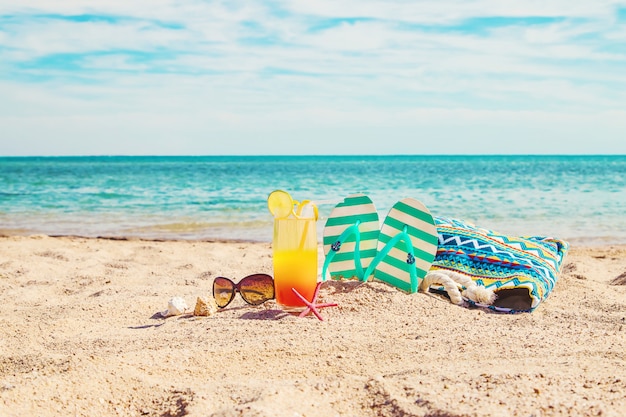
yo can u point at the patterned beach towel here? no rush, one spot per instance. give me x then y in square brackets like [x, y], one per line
[521, 271]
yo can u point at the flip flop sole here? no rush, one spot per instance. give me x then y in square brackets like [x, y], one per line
[359, 210]
[411, 217]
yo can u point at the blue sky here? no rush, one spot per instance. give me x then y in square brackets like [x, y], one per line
[162, 77]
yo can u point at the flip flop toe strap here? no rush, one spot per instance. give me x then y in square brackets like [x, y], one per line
[336, 246]
[410, 260]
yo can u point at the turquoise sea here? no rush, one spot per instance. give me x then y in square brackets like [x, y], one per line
[578, 198]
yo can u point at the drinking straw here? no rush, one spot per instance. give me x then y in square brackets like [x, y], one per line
[309, 210]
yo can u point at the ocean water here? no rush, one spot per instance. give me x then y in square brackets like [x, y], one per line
[578, 198]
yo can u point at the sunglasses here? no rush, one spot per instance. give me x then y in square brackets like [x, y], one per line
[254, 289]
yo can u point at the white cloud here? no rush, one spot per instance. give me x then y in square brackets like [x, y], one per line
[60, 36]
[323, 131]
[440, 12]
[248, 72]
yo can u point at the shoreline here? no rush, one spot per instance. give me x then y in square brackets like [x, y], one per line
[80, 335]
[578, 243]
[133, 238]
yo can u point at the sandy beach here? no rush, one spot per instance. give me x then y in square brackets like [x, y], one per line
[81, 335]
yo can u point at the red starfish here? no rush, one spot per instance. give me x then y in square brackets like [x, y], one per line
[311, 307]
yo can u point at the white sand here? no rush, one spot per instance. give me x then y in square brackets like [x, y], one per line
[79, 336]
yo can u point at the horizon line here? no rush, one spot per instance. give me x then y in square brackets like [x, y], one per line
[302, 155]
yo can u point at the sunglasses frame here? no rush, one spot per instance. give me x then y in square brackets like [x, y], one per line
[236, 288]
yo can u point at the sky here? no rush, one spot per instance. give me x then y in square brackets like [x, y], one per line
[164, 77]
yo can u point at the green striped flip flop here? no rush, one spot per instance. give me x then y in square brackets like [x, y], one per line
[350, 238]
[407, 245]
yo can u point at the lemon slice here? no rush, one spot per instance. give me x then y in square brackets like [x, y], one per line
[280, 204]
[307, 209]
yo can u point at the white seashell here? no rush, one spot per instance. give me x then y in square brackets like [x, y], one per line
[175, 307]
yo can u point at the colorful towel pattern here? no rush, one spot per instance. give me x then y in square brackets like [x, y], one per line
[500, 262]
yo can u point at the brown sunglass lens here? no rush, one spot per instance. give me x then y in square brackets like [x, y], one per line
[257, 289]
[223, 291]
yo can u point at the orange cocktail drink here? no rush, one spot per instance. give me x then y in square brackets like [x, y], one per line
[295, 249]
[294, 268]
[295, 261]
